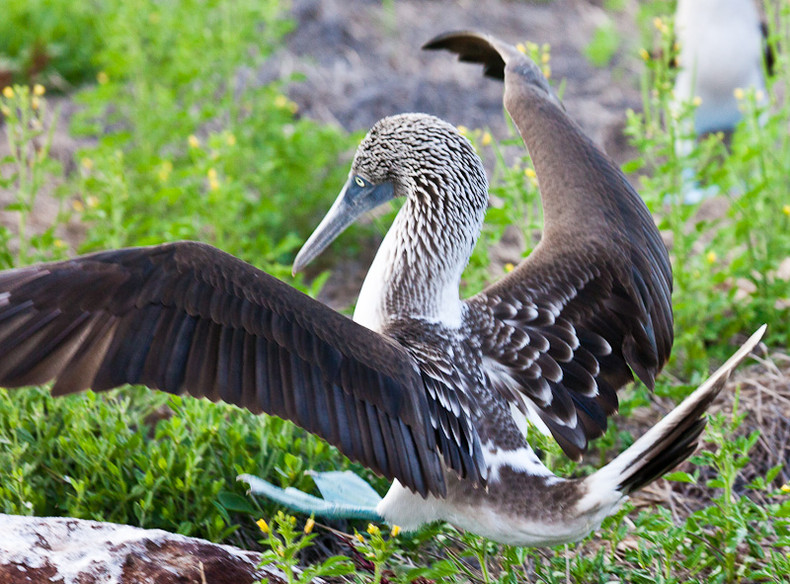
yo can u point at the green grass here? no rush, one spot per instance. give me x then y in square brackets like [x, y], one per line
[184, 149]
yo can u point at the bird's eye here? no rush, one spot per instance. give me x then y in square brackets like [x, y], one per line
[359, 181]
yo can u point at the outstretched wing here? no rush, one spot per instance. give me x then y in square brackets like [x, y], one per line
[186, 317]
[592, 303]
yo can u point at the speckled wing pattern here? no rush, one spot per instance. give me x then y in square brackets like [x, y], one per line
[187, 317]
[592, 303]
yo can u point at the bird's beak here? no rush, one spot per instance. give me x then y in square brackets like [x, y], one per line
[353, 201]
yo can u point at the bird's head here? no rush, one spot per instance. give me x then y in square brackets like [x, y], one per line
[397, 155]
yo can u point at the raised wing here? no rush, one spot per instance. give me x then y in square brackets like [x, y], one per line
[186, 317]
[592, 303]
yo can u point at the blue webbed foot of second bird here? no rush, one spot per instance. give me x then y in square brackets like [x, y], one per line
[345, 496]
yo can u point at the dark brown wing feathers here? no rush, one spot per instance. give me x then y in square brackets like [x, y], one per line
[186, 317]
[594, 298]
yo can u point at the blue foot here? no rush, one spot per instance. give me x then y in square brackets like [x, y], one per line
[346, 496]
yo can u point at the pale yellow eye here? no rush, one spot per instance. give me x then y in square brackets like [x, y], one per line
[359, 181]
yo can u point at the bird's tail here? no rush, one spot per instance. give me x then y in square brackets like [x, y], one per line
[670, 441]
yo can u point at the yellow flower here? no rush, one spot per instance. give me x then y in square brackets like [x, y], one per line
[530, 173]
[521, 48]
[547, 71]
[87, 163]
[34, 102]
[5, 111]
[193, 141]
[102, 78]
[165, 169]
[759, 95]
[486, 139]
[39, 90]
[659, 24]
[739, 93]
[395, 530]
[463, 130]
[309, 524]
[92, 201]
[213, 180]
[644, 54]
[786, 210]
[544, 58]
[8, 92]
[373, 529]
[359, 537]
[59, 243]
[509, 267]
[697, 101]
[262, 525]
[785, 488]
[230, 140]
[711, 256]
[78, 206]
[281, 101]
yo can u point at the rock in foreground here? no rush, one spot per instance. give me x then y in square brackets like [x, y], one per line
[75, 551]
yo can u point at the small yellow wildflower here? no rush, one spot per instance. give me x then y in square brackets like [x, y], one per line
[78, 206]
[759, 95]
[165, 169]
[711, 256]
[644, 54]
[739, 93]
[92, 201]
[697, 101]
[262, 525]
[530, 173]
[659, 24]
[463, 130]
[521, 48]
[213, 180]
[39, 90]
[545, 58]
[8, 92]
[35, 103]
[785, 488]
[230, 140]
[373, 529]
[395, 530]
[509, 267]
[281, 101]
[193, 141]
[359, 537]
[5, 111]
[87, 163]
[547, 71]
[309, 524]
[59, 243]
[786, 210]
[486, 139]
[102, 78]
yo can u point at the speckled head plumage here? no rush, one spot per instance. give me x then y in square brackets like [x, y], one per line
[408, 148]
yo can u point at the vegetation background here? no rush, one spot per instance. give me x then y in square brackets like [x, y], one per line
[233, 122]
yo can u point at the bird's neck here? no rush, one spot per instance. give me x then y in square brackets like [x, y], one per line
[417, 270]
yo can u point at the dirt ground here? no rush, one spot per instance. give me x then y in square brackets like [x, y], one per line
[362, 61]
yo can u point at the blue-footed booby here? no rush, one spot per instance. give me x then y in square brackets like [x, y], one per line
[722, 48]
[422, 386]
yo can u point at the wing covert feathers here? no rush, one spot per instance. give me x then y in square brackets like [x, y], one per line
[186, 317]
[591, 306]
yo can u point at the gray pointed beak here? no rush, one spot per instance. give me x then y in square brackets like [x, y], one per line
[352, 202]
